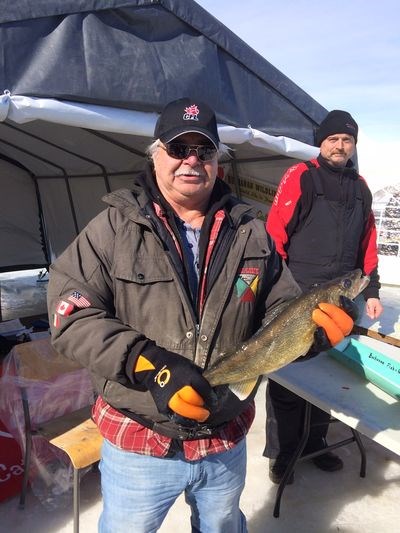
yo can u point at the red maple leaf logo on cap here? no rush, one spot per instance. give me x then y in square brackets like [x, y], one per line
[191, 112]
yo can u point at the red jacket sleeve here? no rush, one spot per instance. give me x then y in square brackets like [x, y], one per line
[369, 248]
[284, 205]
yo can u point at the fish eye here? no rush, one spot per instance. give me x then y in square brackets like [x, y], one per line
[347, 283]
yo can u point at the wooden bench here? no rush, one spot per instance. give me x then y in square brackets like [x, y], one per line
[39, 368]
[77, 435]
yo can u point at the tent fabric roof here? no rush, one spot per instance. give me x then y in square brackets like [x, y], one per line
[142, 54]
[83, 83]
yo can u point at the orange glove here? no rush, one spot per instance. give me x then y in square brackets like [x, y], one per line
[335, 322]
[189, 404]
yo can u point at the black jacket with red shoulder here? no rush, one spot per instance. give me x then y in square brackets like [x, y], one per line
[323, 225]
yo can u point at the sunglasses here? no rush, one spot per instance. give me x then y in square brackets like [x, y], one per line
[205, 152]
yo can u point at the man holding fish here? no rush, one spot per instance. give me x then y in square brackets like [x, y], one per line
[323, 226]
[174, 274]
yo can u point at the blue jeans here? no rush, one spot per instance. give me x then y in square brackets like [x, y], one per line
[138, 490]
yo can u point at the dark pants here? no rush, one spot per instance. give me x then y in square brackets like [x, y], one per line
[284, 425]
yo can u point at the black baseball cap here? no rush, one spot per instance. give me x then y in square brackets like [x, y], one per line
[186, 115]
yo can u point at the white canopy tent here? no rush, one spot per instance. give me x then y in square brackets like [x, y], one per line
[82, 83]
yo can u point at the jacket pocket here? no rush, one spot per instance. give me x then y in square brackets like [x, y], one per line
[143, 270]
[146, 298]
[256, 249]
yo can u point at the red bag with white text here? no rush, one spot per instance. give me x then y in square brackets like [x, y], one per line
[11, 465]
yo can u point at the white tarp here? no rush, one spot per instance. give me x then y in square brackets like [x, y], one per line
[22, 109]
[71, 154]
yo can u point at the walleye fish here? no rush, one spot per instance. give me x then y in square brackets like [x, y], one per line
[286, 337]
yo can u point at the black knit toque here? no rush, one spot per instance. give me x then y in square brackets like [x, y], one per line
[336, 122]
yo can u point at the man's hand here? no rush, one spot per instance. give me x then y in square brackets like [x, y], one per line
[373, 307]
[336, 322]
[175, 383]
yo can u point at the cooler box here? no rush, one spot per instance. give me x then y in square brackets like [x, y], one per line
[379, 368]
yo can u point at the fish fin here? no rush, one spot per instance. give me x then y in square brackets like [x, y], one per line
[243, 389]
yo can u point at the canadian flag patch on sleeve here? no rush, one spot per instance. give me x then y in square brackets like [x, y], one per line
[64, 308]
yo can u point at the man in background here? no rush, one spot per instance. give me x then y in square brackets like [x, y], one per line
[323, 226]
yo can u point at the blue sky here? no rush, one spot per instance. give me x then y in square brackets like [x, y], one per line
[345, 54]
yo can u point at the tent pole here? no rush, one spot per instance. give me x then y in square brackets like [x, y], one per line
[235, 176]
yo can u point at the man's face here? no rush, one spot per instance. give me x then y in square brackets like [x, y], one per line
[338, 149]
[186, 181]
